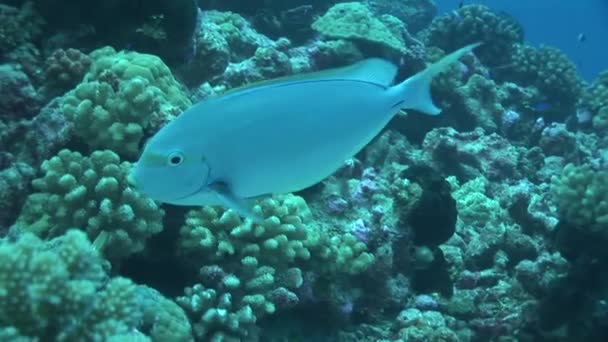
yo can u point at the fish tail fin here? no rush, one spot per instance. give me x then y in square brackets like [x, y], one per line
[415, 91]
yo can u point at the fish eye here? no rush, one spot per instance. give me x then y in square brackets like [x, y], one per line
[175, 158]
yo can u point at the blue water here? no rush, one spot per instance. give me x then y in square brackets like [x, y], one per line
[558, 23]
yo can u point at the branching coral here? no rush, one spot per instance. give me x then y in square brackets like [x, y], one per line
[14, 181]
[247, 272]
[595, 99]
[64, 69]
[126, 66]
[18, 26]
[581, 194]
[250, 271]
[19, 98]
[548, 70]
[123, 95]
[110, 118]
[476, 23]
[91, 192]
[596, 96]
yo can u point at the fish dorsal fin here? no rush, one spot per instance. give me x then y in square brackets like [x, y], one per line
[374, 70]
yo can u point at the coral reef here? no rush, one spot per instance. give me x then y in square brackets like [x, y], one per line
[476, 153]
[161, 28]
[485, 223]
[416, 14]
[227, 45]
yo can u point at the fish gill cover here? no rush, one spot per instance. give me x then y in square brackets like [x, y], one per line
[486, 223]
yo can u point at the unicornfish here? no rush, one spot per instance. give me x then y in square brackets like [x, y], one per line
[278, 136]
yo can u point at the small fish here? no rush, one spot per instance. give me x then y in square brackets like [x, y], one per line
[460, 4]
[581, 38]
[278, 136]
[542, 107]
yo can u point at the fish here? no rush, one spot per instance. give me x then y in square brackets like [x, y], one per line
[278, 136]
[581, 37]
[542, 107]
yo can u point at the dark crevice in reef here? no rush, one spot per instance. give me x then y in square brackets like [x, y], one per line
[158, 267]
[432, 221]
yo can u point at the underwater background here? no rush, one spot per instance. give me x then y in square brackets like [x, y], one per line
[488, 222]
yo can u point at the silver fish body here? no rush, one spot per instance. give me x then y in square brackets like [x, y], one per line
[288, 137]
[278, 137]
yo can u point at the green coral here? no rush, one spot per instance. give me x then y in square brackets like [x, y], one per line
[338, 52]
[550, 72]
[482, 98]
[126, 66]
[18, 25]
[600, 120]
[596, 95]
[475, 208]
[581, 195]
[59, 291]
[222, 38]
[476, 23]
[252, 270]
[344, 254]
[595, 99]
[91, 192]
[163, 319]
[123, 95]
[14, 182]
[248, 269]
[354, 21]
[107, 118]
[232, 30]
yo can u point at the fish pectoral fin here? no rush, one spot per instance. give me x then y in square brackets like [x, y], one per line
[243, 206]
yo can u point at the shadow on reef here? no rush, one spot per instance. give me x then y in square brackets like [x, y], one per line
[576, 306]
[161, 27]
[309, 323]
[159, 266]
[432, 222]
[276, 18]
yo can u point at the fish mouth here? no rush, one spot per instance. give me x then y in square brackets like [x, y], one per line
[200, 189]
